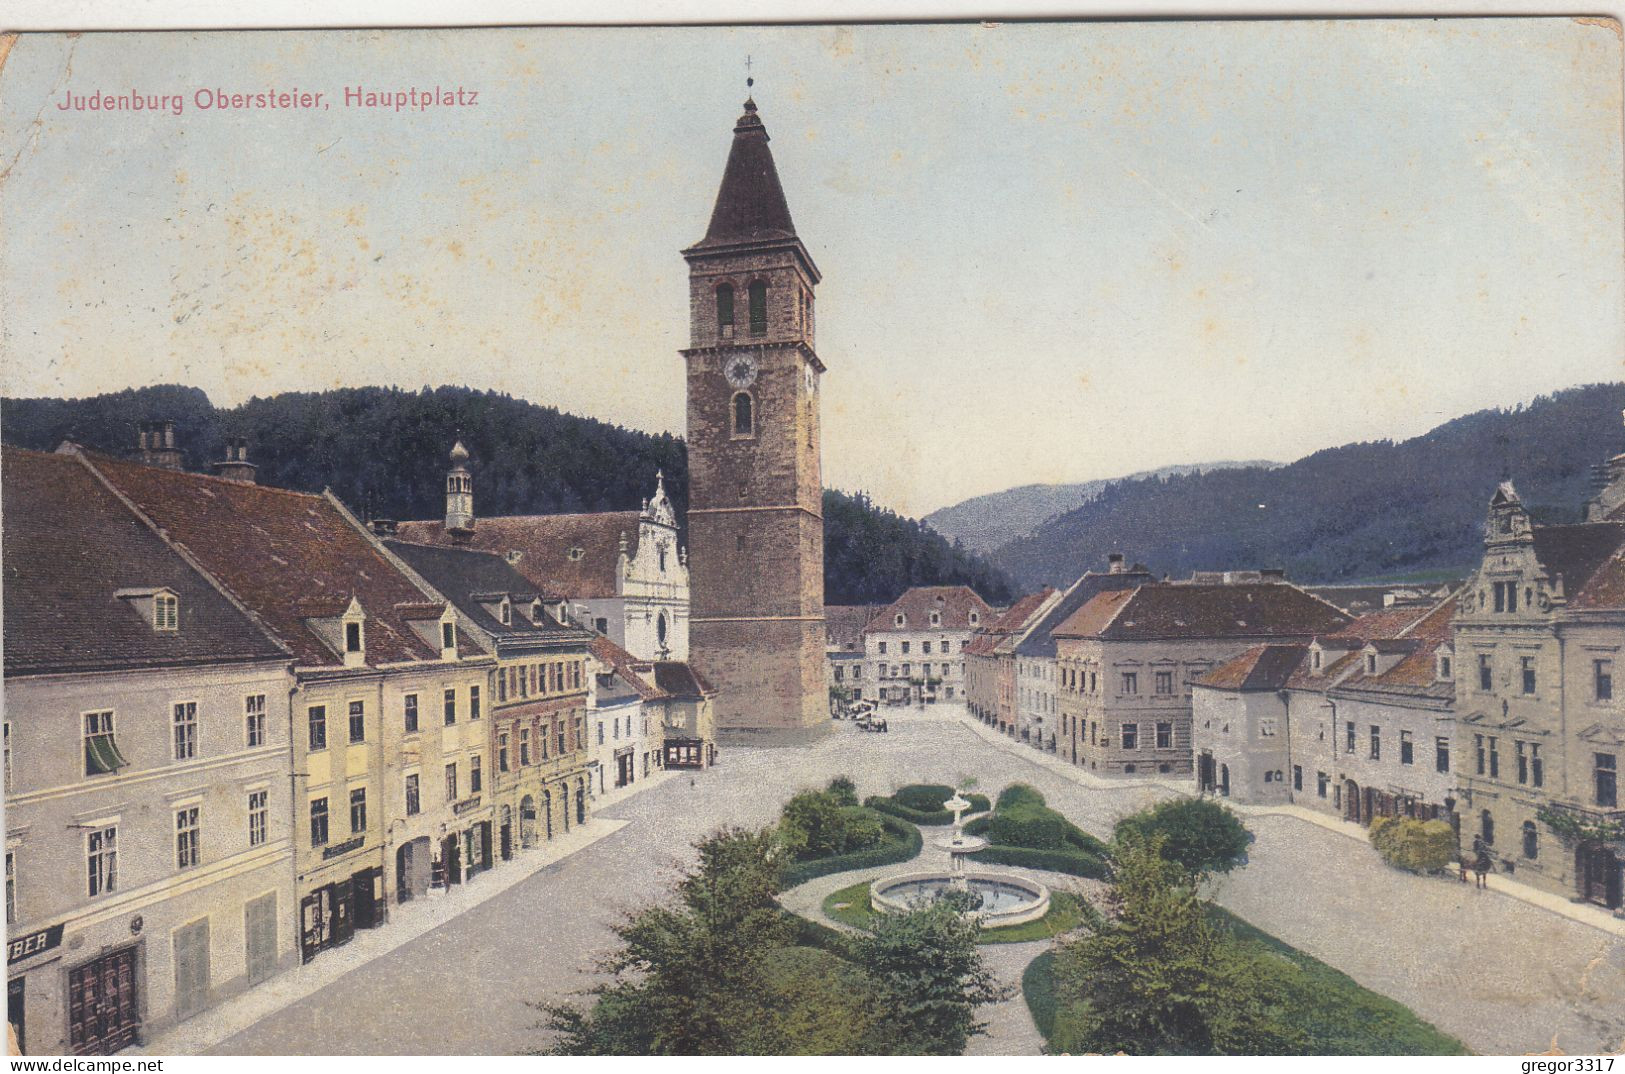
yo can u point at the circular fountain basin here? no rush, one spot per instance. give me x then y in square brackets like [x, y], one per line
[1006, 899]
[962, 844]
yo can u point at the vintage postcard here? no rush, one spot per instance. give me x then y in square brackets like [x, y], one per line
[877, 539]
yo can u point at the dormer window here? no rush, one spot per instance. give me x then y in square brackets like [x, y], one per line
[161, 608]
[1316, 659]
[975, 618]
[352, 637]
[514, 555]
[936, 619]
[575, 554]
[448, 635]
[1443, 667]
[507, 614]
[901, 619]
[1370, 663]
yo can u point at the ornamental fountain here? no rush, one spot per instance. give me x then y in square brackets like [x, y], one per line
[997, 898]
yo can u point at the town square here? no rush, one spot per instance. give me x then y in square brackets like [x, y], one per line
[947, 539]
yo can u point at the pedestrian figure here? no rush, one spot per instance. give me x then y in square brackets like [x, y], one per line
[1481, 861]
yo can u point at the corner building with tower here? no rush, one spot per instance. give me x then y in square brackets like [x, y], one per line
[755, 518]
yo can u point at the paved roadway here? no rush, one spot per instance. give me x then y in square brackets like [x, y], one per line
[1504, 976]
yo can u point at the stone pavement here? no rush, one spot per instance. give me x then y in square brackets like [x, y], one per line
[1585, 913]
[407, 921]
[1503, 975]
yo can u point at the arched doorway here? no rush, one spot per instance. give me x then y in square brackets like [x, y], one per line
[527, 821]
[1351, 802]
[505, 833]
[581, 801]
[413, 863]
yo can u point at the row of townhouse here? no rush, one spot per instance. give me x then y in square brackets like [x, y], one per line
[1493, 708]
[241, 724]
[914, 648]
[990, 661]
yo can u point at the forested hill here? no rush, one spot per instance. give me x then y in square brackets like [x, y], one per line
[1367, 510]
[383, 451]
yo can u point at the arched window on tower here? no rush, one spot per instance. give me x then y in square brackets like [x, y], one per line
[725, 311]
[744, 419]
[758, 308]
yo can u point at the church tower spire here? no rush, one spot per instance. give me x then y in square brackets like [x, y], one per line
[459, 493]
[755, 518]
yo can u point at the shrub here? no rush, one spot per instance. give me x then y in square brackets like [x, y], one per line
[1025, 825]
[842, 791]
[980, 825]
[1019, 794]
[923, 797]
[1072, 862]
[900, 842]
[1417, 846]
[814, 824]
[1200, 834]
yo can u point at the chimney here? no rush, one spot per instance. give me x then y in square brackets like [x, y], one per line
[1114, 563]
[383, 527]
[157, 444]
[235, 466]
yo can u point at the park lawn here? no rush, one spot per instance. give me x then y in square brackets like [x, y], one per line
[850, 906]
[1338, 1015]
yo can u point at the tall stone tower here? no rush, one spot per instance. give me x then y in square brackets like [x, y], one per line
[755, 516]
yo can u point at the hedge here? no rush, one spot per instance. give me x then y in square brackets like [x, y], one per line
[936, 819]
[1072, 862]
[903, 843]
[1025, 825]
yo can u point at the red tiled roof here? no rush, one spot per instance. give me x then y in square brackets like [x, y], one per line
[954, 602]
[680, 680]
[69, 546]
[565, 556]
[1591, 559]
[1185, 610]
[288, 556]
[627, 667]
[1263, 667]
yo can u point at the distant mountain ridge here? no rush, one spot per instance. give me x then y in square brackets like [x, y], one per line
[983, 523]
[383, 451]
[1382, 509]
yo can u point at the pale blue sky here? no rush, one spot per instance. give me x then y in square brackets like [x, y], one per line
[1051, 252]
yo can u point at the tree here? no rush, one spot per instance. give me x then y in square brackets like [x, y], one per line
[929, 979]
[814, 824]
[689, 978]
[1200, 834]
[1156, 976]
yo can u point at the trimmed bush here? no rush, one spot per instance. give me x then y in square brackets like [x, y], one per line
[923, 797]
[980, 825]
[1020, 794]
[1072, 862]
[1417, 846]
[902, 841]
[934, 819]
[1026, 825]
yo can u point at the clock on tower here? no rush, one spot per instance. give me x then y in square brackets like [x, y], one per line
[755, 517]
